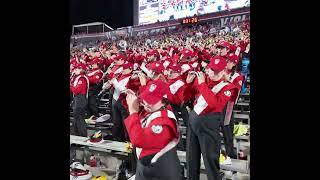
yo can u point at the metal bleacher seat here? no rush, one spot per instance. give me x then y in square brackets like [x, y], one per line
[122, 149]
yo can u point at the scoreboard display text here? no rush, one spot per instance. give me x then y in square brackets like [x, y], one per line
[190, 20]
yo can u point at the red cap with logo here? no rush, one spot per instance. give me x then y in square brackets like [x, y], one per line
[120, 57]
[175, 58]
[73, 61]
[153, 52]
[233, 58]
[139, 59]
[224, 44]
[187, 53]
[81, 66]
[155, 91]
[217, 63]
[233, 48]
[95, 61]
[175, 67]
[164, 53]
[156, 67]
[127, 65]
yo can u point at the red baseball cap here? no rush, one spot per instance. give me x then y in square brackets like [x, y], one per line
[167, 58]
[120, 57]
[127, 65]
[95, 61]
[224, 44]
[73, 61]
[233, 48]
[156, 67]
[217, 63]
[81, 66]
[175, 58]
[155, 91]
[233, 58]
[153, 52]
[164, 53]
[139, 59]
[175, 67]
[187, 53]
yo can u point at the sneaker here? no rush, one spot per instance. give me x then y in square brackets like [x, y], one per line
[240, 130]
[91, 120]
[103, 118]
[96, 137]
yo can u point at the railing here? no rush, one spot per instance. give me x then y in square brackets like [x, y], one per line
[169, 23]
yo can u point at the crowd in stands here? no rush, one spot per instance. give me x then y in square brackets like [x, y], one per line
[195, 70]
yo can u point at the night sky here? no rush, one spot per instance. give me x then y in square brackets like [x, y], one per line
[115, 13]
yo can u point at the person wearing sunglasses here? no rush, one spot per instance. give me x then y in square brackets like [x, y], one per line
[153, 132]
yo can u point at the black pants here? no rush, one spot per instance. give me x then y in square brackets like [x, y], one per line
[119, 131]
[92, 100]
[110, 99]
[93, 105]
[119, 113]
[227, 131]
[203, 138]
[79, 111]
[167, 167]
[184, 113]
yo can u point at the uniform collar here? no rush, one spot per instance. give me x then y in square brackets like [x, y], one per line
[212, 83]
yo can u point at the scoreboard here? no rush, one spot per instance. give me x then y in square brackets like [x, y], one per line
[190, 20]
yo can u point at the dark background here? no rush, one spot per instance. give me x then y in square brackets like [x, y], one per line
[115, 13]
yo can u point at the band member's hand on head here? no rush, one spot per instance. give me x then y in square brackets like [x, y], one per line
[226, 77]
[191, 76]
[112, 80]
[106, 85]
[201, 77]
[142, 78]
[132, 101]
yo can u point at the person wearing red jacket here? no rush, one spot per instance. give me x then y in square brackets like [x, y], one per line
[94, 76]
[203, 136]
[177, 87]
[119, 110]
[79, 85]
[113, 70]
[153, 133]
[224, 48]
[116, 67]
[153, 55]
[227, 123]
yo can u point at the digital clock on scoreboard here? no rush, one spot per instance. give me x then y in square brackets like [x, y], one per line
[190, 20]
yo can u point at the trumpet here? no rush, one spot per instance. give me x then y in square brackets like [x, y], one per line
[135, 74]
[107, 85]
[106, 73]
